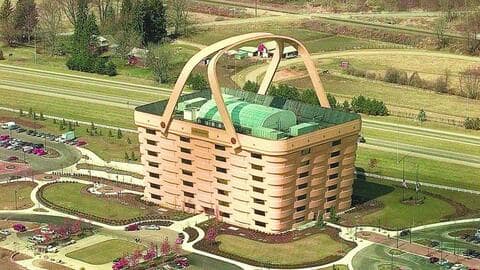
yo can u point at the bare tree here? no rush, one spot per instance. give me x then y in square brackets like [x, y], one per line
[470, 83]
[103, 8]
[51, 22]
[440, 31]
[70, 8]
[159, 60]
[179, 16]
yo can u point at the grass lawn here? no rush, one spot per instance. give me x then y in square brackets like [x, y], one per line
[396, 96]
[430, 171]
[442, 234]
[395, 214]
[70, 195]
[7, 195]
[104, 252]
[376, 257]
[108, 148]
[305, 250]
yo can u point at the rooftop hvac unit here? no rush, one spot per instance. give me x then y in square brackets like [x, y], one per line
[190, 114]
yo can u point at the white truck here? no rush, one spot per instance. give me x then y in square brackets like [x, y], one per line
[9, 125]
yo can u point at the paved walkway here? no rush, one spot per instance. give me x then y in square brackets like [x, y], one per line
[417, 249]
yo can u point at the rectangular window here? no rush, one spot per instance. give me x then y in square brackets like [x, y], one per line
[333, 176]
[258, 190]
[150, 142]
[301, 197]
[185, 150]
[225, 215]
[187, 172]
[300, 219]
[334, 165]
[305, 151]
[186, 161]
[221, 170]
[151, 153]
[153, 164]
[255, 155]
[184, 139]
[190, 205]
[188, 194]
[153, 175]
[222, 192]
[335, 154]
[301, 208]
[222, 181]
[151, 131]
[155, 196]
[222, 203]
[257, 167]
[305, 163]
[155, 186]
[258, 201]
[219, 147]
[302, 186]
[337, 142]
[219, 158]
[302, 175]
[332, 198]
[260, 224]
[257, 178]
[259, 212]
[188, 183]
[332, 187]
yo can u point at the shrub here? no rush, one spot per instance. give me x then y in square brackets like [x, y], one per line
[368, 106]
[197, 82]
[472, 123]
[440, 85]
[251, 87]
[416, 81]
[392, 75]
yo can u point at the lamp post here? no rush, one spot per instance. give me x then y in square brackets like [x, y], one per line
[403, 174]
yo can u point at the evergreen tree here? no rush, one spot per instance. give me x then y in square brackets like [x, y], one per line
[154, 21]
[119, 134]
[70, 127]
[333, 215]
[126, 157]
[197, 82]
[20, 112]
[110, 134]
[64, 123]
[250, 86]
[132, 156]
[285, 91]
[422, 116]
[30, 112]
[129, 141]
[55, 121]
[7, 22]
[41, 116]
[309, 96]
[26, 18]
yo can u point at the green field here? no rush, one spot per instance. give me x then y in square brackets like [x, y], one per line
[70, 195]
[306, 250]
[23, 191]
[442, 235]
[394, 214]
[376, 257]
[104, 252]
[430, 171]
[439, 205]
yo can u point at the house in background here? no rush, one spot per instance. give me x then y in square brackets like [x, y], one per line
[268, 48]
[251, 51]
[138, 57]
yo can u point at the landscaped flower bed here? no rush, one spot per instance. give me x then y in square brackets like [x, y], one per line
[128, 199]
[214, 231]
[192, 234]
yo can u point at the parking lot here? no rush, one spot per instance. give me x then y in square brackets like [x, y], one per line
[42, 151]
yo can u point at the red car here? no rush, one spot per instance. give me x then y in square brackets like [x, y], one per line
[81, 143]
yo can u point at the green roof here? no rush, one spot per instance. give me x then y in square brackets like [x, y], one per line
[250, 115]
[255, 115]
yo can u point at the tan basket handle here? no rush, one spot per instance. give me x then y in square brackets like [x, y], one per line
[219, 48]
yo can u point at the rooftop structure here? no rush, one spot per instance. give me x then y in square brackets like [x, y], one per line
[250, 159]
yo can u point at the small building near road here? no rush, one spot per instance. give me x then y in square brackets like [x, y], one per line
[138, 57]
[289, 52]
[251, 51]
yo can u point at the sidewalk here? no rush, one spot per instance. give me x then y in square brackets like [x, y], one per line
[417, 249]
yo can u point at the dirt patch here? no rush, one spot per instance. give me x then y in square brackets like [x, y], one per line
[5, 261]
[27, 123]
[49, 265]
[288, 74]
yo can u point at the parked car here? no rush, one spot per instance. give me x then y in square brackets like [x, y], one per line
[151, 227]
[12, 158]
[434, 259]
[52, 249]
[39, 238]
[20, 130]
[81, 143]
[5, 232]
[132, 227]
